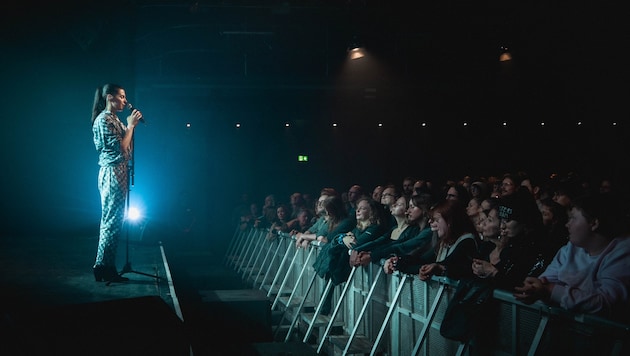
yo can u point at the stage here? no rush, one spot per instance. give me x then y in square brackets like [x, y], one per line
[52, 304]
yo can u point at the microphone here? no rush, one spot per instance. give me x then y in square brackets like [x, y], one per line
[132, 109]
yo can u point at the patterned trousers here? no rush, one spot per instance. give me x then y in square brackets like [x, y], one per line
[112, 184]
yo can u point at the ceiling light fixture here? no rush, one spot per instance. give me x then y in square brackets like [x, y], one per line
[355, 50]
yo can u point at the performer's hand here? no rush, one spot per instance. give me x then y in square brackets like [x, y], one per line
[134, 118]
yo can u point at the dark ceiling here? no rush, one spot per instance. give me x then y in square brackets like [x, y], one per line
[435, 49]
[267, 63]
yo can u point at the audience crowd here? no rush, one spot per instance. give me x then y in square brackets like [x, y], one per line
[562, 240]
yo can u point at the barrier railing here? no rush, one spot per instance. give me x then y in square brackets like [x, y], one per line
[385, 314]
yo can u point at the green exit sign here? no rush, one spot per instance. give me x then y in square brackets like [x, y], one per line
[302, 158]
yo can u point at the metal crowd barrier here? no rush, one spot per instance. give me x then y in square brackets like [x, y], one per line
[375, 313]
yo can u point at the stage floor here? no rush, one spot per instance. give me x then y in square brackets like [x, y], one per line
[48, 272]
[52, 304]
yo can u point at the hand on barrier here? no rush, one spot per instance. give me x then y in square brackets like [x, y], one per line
[390, 264]
[533, 289]
[428, 270]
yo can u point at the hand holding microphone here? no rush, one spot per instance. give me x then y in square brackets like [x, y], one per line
[132, 109]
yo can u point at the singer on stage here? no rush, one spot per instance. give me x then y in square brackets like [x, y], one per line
[113, 141]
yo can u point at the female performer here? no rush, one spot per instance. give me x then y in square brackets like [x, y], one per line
[113, 141]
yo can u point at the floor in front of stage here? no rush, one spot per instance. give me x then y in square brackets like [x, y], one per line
[52, 305]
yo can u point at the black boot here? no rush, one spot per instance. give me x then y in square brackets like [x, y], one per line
[111, 275]
[99, 273]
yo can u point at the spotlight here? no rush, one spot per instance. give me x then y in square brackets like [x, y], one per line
[355, 49]
[356, 53]
[136, 224]
[134, 214]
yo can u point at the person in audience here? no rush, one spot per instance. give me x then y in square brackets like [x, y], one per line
[417, 236]
[337, 216]
[514, 252]
[485, 206]
[454, 241]
[354, 194]
[248, 219]
[420, 246]
[269, 212]
[554, 218]
[297, 204]
[489, 202]
[475, 212]
[466, 182]
[458, 192]
[334, 256]
[320, 227]
[489, 224]
[339, 223]
[507, 254]
[371, 223]
[522, 242]
[510, 184]
[401, 229]
[377, 193]
[564, 192]
[390, 195]
[407, 187]
[479, 189]
[302, 223]
[419, 186]
[280, 223]
[590, 275]
[605, 186]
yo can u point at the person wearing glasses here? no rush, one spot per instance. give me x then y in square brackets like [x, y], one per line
[388, 198]
[510, 184]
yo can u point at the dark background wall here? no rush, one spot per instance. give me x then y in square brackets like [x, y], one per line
[198, 69]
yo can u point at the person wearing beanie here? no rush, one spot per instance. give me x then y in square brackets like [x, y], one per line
[517, 248]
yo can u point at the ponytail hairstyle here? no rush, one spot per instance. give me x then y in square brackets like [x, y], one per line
[100, 98]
